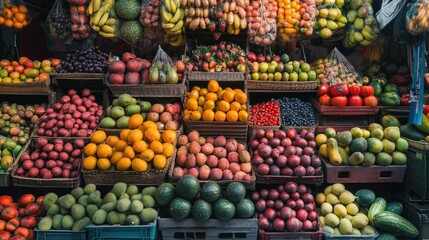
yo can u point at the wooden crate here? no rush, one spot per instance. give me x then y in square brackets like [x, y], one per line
[236, 130]
[344, 111]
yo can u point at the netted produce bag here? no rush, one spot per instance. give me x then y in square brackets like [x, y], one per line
[149, 14]
[417, 18]
[329, 20]
[400, 32]
[363, 27]
[162, 70]
[80, 21]
[308, 13]
[338, 69]
[288, 17]
[262, 28]
[14, 14]
[59, 22]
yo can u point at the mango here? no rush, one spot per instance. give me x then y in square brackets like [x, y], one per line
[337, 232]
[52, 210]
[119, 189]
[50, 199]
[401, 145]
[326, 208]
[56, 221]
[368, 159]
[77, 211]
[109, 197]
[137, 196]
[91, 209]
[148, 215]
[67, 222]
[66, 201]
[345, 227]
[77, 192]
[338, 188]
[132, 189]
[392, 133]
[356, 232]
[107, 122]
[99, 217]
[328, 229]
[83, 200]
[148, 201]
[125, 100]
[374, 145]
[45, 224]
[122, 218]
[123, 205]
[360, 220]
[340, 210]
[352, 209]
[109, 206]
[94, 197]
[347, 197]
[399, 158]
[132, 220]
[388, 146]
[383, 159]
[64, 211]
[132, 109]
[136, 206]
[368, 230]
[89, 188]
[81, 224]
[332, 220]
[112, 218]
[122, 122]
[126, 196]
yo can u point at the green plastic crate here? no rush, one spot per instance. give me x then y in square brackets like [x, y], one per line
[119, 232]
[417, 174]
[60, 234]
[418, 214]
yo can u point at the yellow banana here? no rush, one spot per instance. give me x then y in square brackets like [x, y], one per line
[103, 19]
[167, 5]
[108, 29]
[95, 28]
[110, 21]
[91, 20]
[173, 6]
[97, 5]
[177, 16]
[168, 25]
[100, 13]
[166, 16]
[173, 33]
[178, 42]
[90, 9]
[106, 35]
[178, 26]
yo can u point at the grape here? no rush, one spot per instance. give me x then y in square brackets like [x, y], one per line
[295, 112]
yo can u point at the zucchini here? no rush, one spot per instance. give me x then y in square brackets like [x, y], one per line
[411, 132]
[386, 236]
[378, 206]
[395, 207]
[395, 224]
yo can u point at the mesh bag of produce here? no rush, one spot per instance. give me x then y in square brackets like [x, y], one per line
[59, 22]
[400, 32]
[308, 13]
[363, 28]
[15, 14]
[262, 28]
[329, 20]
[417, 19]
[149, 14]
[79, 27]
[288, 17]
[162, 70]
[340, 70]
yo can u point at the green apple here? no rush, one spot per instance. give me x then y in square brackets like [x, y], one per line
[263, 67]
[285, 76]
[303, 76]
[293, 77]
[255, 76]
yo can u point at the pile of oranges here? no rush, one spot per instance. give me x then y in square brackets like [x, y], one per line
[13, 16]
[216, 104]
[133, 149]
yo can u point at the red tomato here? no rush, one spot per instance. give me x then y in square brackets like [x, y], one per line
[355, 101]
[325, 100]
[323, 89]
[366, 91]
[341, 89]
[339, 101]
[354, 90]
[370, 101]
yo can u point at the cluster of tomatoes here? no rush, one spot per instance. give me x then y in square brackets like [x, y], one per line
[343, 94]
[265, 114]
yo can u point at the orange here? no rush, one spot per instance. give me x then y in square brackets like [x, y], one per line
[211, 96]
[228, 95]
[220, 93]
[152, 134]
[90, 149]
[238, 90]
[115, 157]
[139, 146]
[223, 106]
[123, 164]
[124, 134]
[241, 97]
[89, 163]
[103, 164]
[138, 165]
[209, 105]
[129, 152]
[191, 104]
[168, 149]
[194, 94]
[159, 162]
[8, 14]
[243, 116]
[120, 145]
[156, 146]
[135, 121]
[186, 114]
[2, 20]
[232, 116]
[147, 155]
[195, 116]
[220, 116]
[20, 17]
[169, 136]
[147, 125]
[208, 115]
[104, 151]
[213, 86]
[98, 137]
[8, 23]
[134, 135]
[203, 91]
[22, 9]
[112, 140]
[235, 106]
[201, 101]
[196, 88]
[14, 9]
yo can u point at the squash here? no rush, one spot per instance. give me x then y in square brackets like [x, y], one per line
[333, 154]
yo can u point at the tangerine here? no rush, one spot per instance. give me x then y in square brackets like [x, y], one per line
[120, 145]
[169, 136]
[103, 164]
[123, 164]
[89, 163]
[139, 146]
[98, 137]
[147, 155]
[124, 134]
[159, 162]
[135, 121]
[243, 116]
[115, 157]
[156, 146]
[90, 149]
[138, 165]
[112, 140]
[104, 151]
[168, 149]
[208, 115]
[129, 152]
[223, 106]
[152, 134]
[191, 104]
[220, 116]
[134, 135]
[213, 86]
[232, 116]
[212, 96]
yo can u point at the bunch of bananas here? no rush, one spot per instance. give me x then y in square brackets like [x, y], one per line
[372, 53]
[172, 15]
[103, 17]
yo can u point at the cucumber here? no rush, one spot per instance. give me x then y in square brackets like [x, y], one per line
[378, 206]
[395, 207]
[395, 224]
[411, 132]
[386, 236]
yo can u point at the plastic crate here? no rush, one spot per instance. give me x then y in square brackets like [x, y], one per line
[417, 174]
[60, 234]
[104, 232]
[309, 235]
[418, 215]
[245, 229]
[328, 236]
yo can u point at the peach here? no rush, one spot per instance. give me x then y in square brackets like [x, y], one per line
[182, 140]
[165, 117]
[234, 167]
[178, 172]
[227, 174]
[157, 107]
[212, 161]
[207, 148]
[231, 145]
[239, 175]
[201, 159]
[247, 178]
[233, 157]
[216, 174]
[204, 172]
[223, 164]
[172, 125]
[220, 141]
[219, 152]
[191, 161]
[241, 147]
[181, 160]
[194, 147]
[201, 141]
[183, 150]
[193, 135]
[246, 167]
[193, 171]
[210, 140]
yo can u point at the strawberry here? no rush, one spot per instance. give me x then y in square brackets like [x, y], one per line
[222, 26]
[216, 36]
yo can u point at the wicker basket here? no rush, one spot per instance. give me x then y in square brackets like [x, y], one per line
[281, 85]
[150, 177]
[218, 76]
[116, 132]
[236, 130]
[26, 88]
[5, 177]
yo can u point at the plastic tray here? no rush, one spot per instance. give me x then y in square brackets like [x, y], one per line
[344, 111]
[60, 234]
[143, 232]
[310, 235]
[359, 174]
[419, 145]
[212, 229]
[417, 174]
